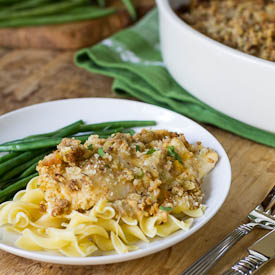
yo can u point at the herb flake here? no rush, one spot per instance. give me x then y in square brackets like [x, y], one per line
[131, 132]
[174, 154]
[164, 208]
[90, 147]
[151, 151]
[100, 151]
[137, 148]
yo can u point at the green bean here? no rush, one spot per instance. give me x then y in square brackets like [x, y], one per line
[11, 163]
[39, 144]
[22, 140]
[8, 156]
[87, 13]
[106, 132]
[26, 162]
[53, 141]
[29, 171]
[13, 159]
[109, 132]
[5, 198]
[17, 170]
[57, 132]
[11, 189]
[50, 134]
[5, 183]
[30, 140]
[65, 131]
[62, 134]
[70, 129]
[76, 127]
[47, 10]
[116, 124]
[131, 8]
[27, 146]
[24, 5]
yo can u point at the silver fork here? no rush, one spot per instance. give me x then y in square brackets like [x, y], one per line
[262, 216]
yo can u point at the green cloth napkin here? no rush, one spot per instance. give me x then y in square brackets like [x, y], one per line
[133, 58]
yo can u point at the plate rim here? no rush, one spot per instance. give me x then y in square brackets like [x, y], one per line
[115, 258]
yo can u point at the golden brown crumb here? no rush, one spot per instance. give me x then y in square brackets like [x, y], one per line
[73, 185]
[246, 25]
[61, 207]
[139, 174]
[43, 207]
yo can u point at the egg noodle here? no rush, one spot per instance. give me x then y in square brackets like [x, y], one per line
[81, 234]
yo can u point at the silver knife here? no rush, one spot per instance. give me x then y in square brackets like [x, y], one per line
[261, 252]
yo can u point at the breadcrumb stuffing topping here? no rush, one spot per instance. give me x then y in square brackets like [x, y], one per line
[139, 175]
[246, 25]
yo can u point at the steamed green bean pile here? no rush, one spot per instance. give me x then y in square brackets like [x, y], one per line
[18, 165]
[18, 13]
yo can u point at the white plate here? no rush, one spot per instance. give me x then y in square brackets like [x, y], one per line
[49, 116]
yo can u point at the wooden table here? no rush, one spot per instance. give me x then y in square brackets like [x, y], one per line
[33, 76]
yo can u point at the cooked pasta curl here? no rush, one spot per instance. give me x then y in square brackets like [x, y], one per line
[80, 234]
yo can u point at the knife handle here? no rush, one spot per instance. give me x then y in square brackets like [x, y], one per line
[248, 265]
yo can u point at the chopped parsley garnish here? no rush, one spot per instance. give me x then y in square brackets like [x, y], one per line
[131, 132]
[167, 209]
[107, 166]
[137, 148]
[174, 154]
[151, 151]
[90, 147]
[100, 152]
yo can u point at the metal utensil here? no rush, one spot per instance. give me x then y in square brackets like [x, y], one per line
[263, 216]
[260, 253]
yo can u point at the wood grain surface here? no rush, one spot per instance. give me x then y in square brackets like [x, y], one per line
[72, 35]
[33, 76]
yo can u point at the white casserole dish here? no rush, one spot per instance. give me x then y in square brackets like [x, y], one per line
[237, 84]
